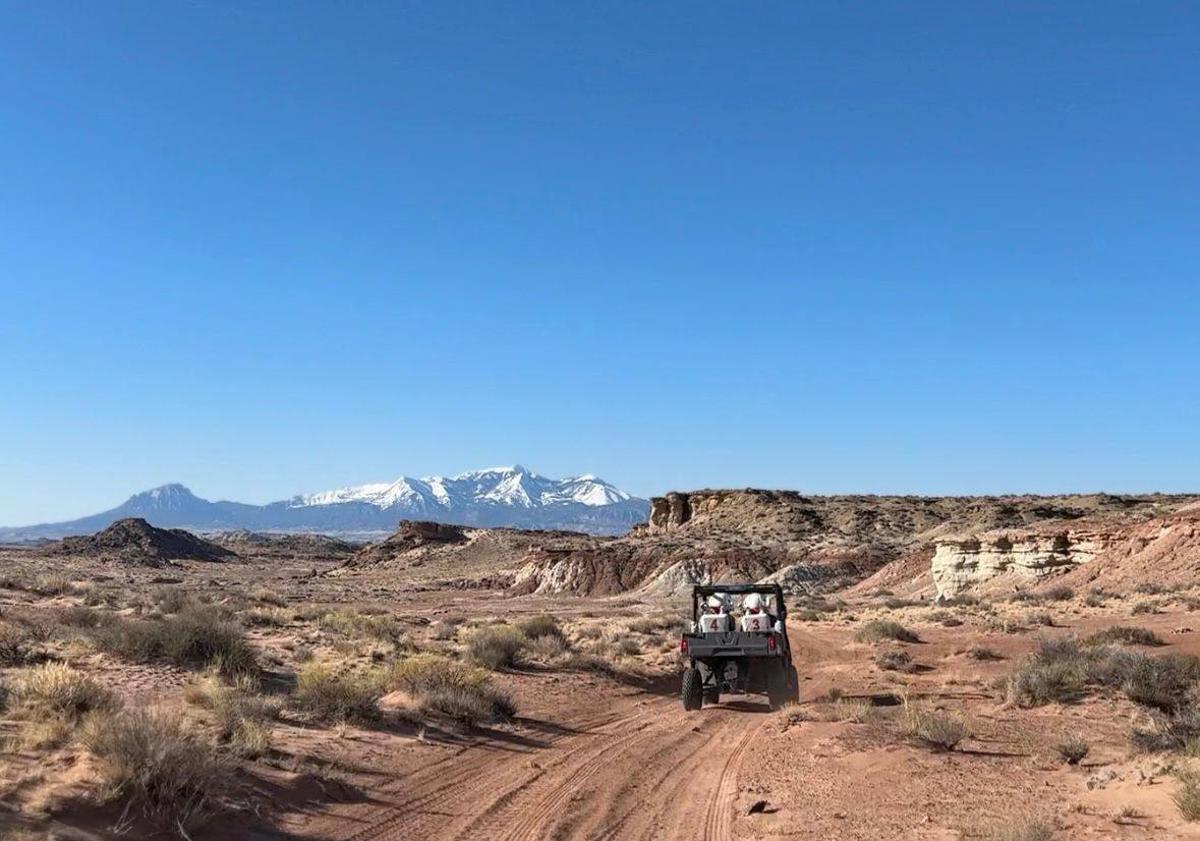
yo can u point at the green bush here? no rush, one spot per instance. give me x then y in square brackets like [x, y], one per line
[459, 691]
[331, 696]
[1118, 635]
[540, 626]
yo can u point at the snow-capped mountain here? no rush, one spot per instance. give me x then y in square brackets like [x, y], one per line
[499, 496]
[512, 486]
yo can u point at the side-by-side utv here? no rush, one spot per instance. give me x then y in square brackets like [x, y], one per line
[733, 650]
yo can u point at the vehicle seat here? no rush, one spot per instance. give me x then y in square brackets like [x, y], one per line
[714, 623]
[757, 623]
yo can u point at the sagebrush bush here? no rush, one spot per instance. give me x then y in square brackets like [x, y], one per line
[1072, 750]
[1187, 793]
[1021, 829]
[457, 690]
[1120, 635]
[495, 646]
[332, 696]
[546, 649]
[982, 652]
[878, 629]
[1059, 593]
[193, 637]
[941, 731]
[1061, 670]
[540, 626]
[898, 661]
[150, 758]
[241, 713]
[16, 644]
[384, 628]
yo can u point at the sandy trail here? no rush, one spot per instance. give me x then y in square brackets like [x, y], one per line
[639, 768]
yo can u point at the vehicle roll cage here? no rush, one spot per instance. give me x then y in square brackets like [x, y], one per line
[703, 591]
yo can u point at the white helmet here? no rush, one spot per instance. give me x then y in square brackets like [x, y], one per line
[753, 602]
[716, 602]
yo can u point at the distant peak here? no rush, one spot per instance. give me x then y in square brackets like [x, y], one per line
[169, 489]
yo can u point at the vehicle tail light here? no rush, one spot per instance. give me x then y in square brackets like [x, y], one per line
[771, 642]
[683, 645]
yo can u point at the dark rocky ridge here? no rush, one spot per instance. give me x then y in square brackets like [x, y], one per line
[135, 541]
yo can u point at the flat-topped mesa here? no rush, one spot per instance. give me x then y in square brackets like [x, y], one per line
[962, 563]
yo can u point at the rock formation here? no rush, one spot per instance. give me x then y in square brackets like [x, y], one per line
[133, 540]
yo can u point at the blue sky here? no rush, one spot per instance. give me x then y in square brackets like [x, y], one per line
[264, 248]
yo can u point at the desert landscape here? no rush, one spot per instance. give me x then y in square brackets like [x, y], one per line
[1007, 668]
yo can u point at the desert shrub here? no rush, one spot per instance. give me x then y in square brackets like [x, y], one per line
[332, 696]
[1142, 608]
[270, 617]
[540, 626]
[16, 645]
[856, 710]
[241, 714]
[80, 616]
[961, 600]
[150, 758]
[52, 585]
[57, 690]
[1039, 617]
[193, 637]
[983, 653]
[1161, 682]
[941, 731]
[1096, 598]
[380, 627]
[444, 629]
[945, 619]
[1118, 635]
[462, 692]
[1187, 793]
[1150, 588]
[172, 599]
[1061, 669]
[1025, 597]
[877, 630]
[665, 623]
[495, 646]
[547, 648]
[1178, 730]
[1072, 750]
[897, 661]
[1020, 829]
[269, 597]
[806, 615]
[895, 603]
[589, 632]
[1059, 593]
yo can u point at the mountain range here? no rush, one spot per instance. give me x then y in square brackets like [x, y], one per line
[499, 496]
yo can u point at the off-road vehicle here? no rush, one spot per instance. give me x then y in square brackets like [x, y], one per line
[732, 651]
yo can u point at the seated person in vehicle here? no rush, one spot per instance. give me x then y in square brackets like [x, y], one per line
[714, 619]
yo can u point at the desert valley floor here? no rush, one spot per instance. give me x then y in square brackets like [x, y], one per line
[445, 686]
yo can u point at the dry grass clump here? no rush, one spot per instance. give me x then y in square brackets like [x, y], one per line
[540, 626]
[854, 710]
[546, 649]
[1072, 750]
[934, 729]
[1120, 635]
[193, 637]
[1039, 617]
[662, 624]
[361, 624]
[332, 696]
[1187, 794]
[496, 646]
[52, 585]
[268, 597]
[1096, 598]
[462, 692]
[242, 714]
[173, 599]
[983, 653]
[880, 629]
[150, 758]
[1144, 607]
[1179, 730]
[1060, 593]
[896, 661]
[1021, 829]
[444, 629]
[57, 690]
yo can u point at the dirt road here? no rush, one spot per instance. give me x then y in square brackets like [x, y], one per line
[635, 766]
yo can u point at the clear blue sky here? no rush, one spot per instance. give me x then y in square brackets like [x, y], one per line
[263, 248]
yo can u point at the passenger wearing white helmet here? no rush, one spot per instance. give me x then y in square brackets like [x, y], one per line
[756, 617]
[714, 619]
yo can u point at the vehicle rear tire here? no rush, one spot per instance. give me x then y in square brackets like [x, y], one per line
[778, 691]
[693, 690]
